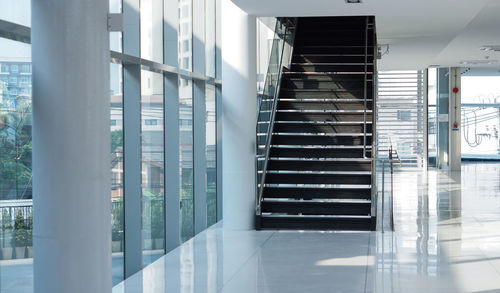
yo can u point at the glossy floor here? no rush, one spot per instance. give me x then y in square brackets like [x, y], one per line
[447, 239]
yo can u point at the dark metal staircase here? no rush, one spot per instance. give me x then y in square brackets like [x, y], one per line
[318, 160]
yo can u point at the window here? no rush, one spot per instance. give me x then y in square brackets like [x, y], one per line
[153, 169]
[14, 68]
[152, 30]
[117, 191]
[26, 68]
[186, 158]
[404, 115]
[211, 154]
[150, 122]
[185, 34]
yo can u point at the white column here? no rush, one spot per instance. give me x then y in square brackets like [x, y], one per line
[455, 110]
[71, 151]
[239, 94]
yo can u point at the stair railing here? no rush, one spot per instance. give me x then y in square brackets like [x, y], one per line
[365, 90]
[280, 60]
[391, 159]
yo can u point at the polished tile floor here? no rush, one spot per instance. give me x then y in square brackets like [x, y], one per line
[446, 239]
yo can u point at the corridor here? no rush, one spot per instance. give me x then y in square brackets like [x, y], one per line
[446, 239]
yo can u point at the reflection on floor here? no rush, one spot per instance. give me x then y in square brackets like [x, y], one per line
[447, 239]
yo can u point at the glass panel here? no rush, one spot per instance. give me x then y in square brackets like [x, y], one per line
[480, 117]
[152, 150]
[115, 38]
[185, 34]
[400, 120]
[116, 125]
[432, 117]
[18, 11]
[211, 154]
[15, 166]
[210, 37]
[186, 157]
[152, 30]
[443, 88]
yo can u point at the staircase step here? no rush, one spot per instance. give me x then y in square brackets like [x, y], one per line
[319, 164]
[346, 85]
[350, 58]
[318, 152]
[316, 178]
[338, 94]
[295, 138]
[319, 193]
[306, 222]
[339, 104]
[322, 116]
[286, 126]
[316, 207]
[331, 68]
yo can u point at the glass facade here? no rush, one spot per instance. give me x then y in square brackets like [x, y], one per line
[185, 34]
[117, 213]
[186, 157]
[211, 154]
[150, 34]
[152, 166]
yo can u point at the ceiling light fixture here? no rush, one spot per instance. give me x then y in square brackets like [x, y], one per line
[494, 48]
[478, 62]
[352, 1]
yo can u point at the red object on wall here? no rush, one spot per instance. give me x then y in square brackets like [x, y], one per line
[455, 125]
[455, 90]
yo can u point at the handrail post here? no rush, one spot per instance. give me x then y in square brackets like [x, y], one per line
[383, 193]
[365, 87]
[392, 188]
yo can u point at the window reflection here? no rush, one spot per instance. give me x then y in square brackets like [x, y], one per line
[186, 157]
[211, 159]
[116, 135]
[185, 34]
[152, 30]
[152, 150]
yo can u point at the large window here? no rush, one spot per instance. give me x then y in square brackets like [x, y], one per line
[185, 34]
[152, 30]
[16, 205]
[138, 93]
[117, 213]
[153, 167]
[211, 154]
[186, 157]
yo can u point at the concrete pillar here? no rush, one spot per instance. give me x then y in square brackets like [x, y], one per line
[71, 151]
[239, 115]
[455, 104]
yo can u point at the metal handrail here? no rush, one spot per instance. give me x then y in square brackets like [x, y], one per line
[260, 185]
[365, 88]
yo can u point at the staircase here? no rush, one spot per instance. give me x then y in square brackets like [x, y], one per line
[319, 168]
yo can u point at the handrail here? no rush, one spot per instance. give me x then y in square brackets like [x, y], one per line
[365, 87]
[289, 28]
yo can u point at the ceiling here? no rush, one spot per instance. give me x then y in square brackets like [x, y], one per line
[419, 33]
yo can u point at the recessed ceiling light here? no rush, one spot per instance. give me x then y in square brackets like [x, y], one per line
[478, 62]
[352, 1]
[495, 48]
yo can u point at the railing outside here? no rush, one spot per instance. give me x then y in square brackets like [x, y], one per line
[280, 60]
